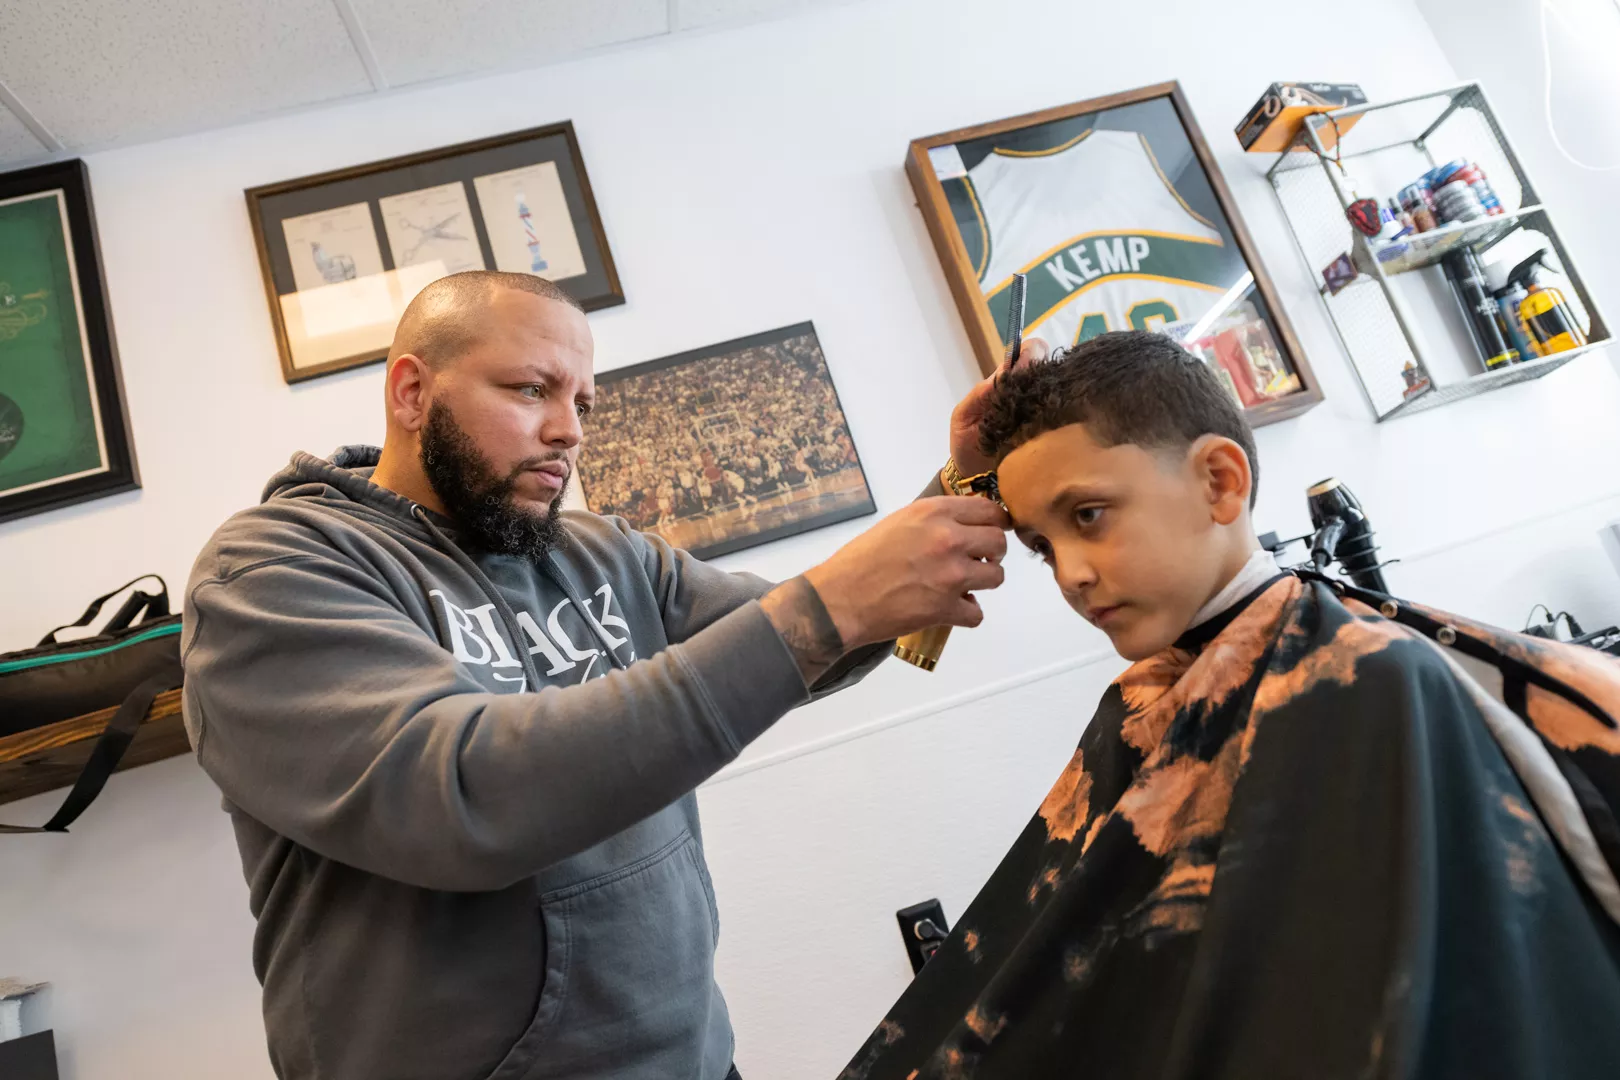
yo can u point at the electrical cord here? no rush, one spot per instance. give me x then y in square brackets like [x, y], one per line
[1534, 628]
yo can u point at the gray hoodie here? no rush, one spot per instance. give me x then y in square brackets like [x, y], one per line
[462, 783]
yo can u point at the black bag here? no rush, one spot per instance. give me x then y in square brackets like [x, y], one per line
[128, 662]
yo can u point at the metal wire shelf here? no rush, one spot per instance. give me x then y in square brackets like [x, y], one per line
[1490, 380]
[1386, 331]
[1427, 249]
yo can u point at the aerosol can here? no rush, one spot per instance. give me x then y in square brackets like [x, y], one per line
[1508, 296]
[1545, 313]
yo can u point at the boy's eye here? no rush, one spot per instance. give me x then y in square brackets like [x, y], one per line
[582, 409]
[1040, 549]
[532, 391]
[1088, 516]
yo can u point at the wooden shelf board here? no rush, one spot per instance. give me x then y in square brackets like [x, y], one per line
[47, 758]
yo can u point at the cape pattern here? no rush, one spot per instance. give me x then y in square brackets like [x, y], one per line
[1318, 844]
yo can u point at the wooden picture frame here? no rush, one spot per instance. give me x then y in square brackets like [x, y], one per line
[343, 252]
[64, 424]
[1221, 302]
[725, 447]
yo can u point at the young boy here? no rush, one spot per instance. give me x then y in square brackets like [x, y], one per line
[1298, 838]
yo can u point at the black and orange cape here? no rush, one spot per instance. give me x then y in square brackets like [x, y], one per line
[1320, 837]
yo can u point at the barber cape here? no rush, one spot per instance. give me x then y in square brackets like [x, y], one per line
[1305, 841]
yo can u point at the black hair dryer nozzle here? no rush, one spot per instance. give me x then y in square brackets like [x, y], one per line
[1343, 534]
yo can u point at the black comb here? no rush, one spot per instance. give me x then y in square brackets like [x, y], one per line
[1015, 319]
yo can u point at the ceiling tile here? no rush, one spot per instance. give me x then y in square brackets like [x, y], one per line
[17, 143]
[417, 40]
[695, 13]
[97, 72]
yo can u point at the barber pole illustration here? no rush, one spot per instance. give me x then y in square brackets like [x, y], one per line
[536, 263]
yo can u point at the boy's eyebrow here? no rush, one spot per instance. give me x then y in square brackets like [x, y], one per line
[1075, 492]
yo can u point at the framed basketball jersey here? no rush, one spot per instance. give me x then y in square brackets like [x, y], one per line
[1116, 213]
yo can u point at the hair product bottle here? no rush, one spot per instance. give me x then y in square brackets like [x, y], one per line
[1544, 310]
[1508, 295]
[1468, 282]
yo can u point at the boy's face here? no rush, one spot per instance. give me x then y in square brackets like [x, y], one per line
[1134, 536]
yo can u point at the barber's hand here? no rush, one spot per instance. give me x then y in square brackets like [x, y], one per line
[915, 568]
[970, 460]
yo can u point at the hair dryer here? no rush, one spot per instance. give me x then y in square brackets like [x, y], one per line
[1343, 534]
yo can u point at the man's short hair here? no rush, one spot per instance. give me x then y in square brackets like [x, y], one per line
[445, 319]
[501, 279]
[1132, 386]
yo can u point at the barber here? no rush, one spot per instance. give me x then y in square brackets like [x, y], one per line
[458, 731]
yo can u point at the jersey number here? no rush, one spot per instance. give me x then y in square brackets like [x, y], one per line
[1142, 317]
[1091, 325]
[1143, 314]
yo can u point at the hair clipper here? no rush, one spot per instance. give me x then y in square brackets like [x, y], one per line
[924, 647]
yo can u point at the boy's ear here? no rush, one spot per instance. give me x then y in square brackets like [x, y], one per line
[1222, 468]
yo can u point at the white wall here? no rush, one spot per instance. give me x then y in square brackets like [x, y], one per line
[749, 178]
[1583, 39]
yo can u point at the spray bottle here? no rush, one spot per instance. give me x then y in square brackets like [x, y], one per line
[1543, 309]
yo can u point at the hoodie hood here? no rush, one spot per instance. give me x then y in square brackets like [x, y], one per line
[346, 477]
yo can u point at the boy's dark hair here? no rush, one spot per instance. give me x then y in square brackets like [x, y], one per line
[1132, 386]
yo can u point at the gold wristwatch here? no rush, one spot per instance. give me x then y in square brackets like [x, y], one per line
[951, 478]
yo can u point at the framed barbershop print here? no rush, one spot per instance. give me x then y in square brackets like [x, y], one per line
[64, 431]
[1116, 212]
[343, 252]
[725, 447]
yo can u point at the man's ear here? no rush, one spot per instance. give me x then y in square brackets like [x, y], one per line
[406, 390]
[1223, 469]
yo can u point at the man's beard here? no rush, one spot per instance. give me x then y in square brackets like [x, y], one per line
[480, 501]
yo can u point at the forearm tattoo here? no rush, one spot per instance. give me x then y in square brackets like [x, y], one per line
[795, 609]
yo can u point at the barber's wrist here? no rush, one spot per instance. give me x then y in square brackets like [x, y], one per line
[842, 607]
[797, 611]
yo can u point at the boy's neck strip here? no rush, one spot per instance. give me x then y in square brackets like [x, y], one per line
[1259, 568]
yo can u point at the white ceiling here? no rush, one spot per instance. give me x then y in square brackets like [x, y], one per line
[82, 75]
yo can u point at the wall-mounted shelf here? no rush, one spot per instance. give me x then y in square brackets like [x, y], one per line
[1427, 249]
[50, 757]
[1400, 322]
[1491, 380]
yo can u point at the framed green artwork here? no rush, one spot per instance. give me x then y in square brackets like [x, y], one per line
[64, 430]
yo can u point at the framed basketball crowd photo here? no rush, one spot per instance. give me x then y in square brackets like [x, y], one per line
[725, 447]
[1115, 210]
[343, 252]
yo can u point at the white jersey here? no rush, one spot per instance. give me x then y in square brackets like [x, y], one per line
[1104, 238]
